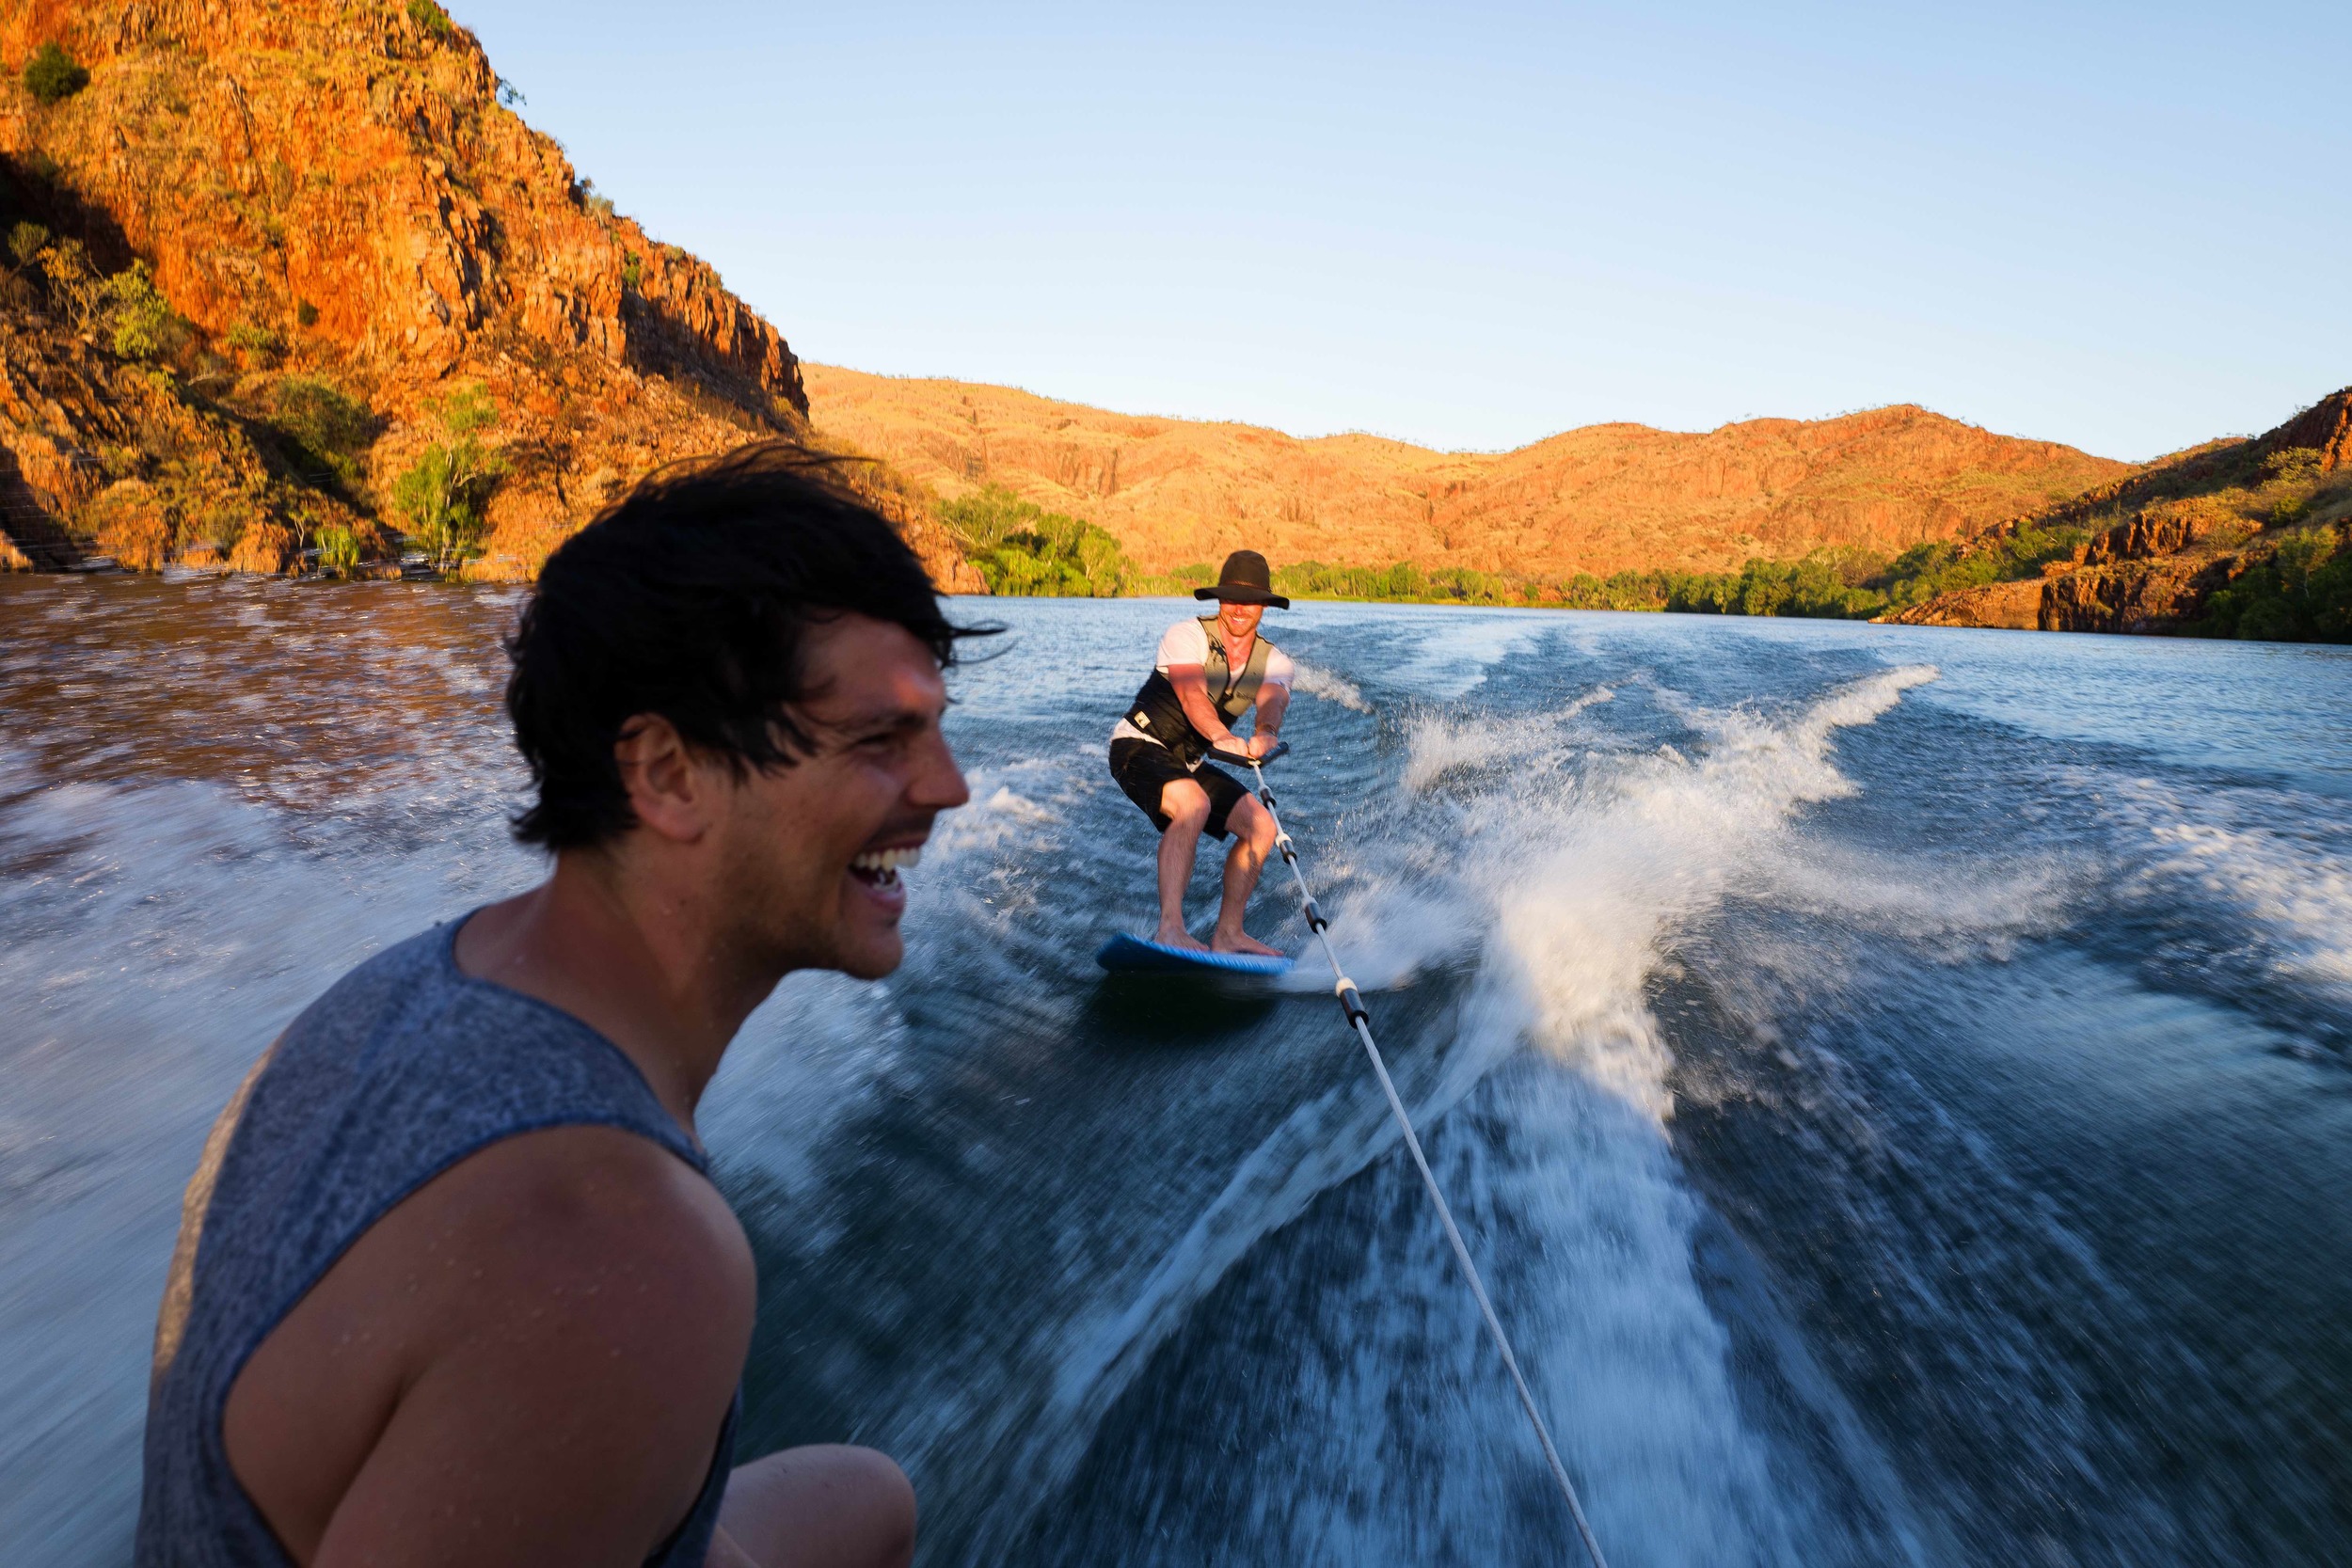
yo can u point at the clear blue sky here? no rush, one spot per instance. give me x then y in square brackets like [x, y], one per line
[2127, 226]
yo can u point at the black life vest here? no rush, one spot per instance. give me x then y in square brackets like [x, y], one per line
[1158, 712]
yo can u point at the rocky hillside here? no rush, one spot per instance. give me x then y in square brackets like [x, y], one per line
[266, 259]
[2190, 539]
[1600, 500]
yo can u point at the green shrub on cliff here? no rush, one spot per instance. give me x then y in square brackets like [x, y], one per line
[1020, 548]
[2302, 593]
[440, 499]
[51, 76]
[2291, 478]
[430, 19]
[322, 433]
[254, 342]
[1940, 566]
[126, 310]
[140, 324]
[27, 241]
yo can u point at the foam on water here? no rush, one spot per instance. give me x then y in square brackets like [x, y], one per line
[1588, 876]
[1448, 654]
[1446, 742]
[2294, 885]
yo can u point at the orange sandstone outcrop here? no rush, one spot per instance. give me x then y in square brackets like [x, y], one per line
[335, 188]
[2167, 535]
[1597, 499]
[2014, 605]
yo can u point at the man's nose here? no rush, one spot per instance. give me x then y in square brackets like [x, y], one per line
[938, 783]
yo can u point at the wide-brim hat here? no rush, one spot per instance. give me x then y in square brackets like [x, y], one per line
[1244, 580]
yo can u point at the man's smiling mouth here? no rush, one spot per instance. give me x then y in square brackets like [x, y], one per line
[881, 867]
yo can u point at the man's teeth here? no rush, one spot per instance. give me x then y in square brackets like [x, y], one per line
[887, 862]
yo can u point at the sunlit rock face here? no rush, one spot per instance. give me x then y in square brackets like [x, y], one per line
[336, 191]
[2164, 539]
[1602, 499]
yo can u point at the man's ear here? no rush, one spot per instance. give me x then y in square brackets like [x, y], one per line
[671, 788]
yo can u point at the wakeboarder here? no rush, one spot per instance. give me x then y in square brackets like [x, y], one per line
[1210, 673]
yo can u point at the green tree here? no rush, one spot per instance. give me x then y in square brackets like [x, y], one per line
[27, 241]
[140, 324]
[51, 76]
[441, 498]
[2301, 593]
[73, 283]
[1020, 548]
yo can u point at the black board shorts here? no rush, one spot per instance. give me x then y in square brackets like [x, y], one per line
[1145, 767]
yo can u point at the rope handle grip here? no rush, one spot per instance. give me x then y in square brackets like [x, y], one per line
[1281, 750]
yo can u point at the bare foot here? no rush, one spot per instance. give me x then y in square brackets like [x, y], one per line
[1177, 937]
[1242, 942]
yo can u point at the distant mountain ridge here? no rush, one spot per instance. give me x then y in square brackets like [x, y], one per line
[1597, 499]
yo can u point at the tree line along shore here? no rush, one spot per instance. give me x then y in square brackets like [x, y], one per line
[2265, 534]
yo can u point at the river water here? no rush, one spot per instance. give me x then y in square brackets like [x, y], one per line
[1898, 1081]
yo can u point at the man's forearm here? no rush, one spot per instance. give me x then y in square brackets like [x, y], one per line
[1270, 712]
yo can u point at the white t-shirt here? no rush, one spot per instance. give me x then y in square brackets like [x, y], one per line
[1187, 643]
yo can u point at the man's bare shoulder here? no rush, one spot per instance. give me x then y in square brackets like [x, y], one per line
[575, 1280]
[563, 1194]
[587, 1237]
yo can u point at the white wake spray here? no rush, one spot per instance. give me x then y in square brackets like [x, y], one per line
[1588, 876]
[1563, 864]
[1313, 680]
[2293, 885]
[1584, 866]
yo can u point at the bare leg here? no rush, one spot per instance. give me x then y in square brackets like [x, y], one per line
[1185, 805]
[1252, 827]
[829, 1505]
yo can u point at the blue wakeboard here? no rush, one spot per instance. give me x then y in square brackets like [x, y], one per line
[1126, 955]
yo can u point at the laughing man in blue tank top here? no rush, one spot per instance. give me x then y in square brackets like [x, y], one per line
[454, 1287]
[1210, 673]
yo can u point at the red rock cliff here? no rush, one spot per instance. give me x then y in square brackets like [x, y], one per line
[334, 189]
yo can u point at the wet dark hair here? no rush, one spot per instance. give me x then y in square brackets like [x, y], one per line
[691, 598]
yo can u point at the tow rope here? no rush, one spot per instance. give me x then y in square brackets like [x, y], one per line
[1352, 1002]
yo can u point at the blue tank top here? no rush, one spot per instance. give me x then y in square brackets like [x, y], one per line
[405, 1067]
